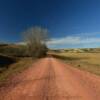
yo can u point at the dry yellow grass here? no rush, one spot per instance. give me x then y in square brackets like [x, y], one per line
[15, 68]
[91, 58]
[86, 61]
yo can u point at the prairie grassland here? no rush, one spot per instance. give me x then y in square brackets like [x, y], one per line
[86, 61]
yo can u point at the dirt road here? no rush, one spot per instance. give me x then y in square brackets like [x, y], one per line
[52, 79]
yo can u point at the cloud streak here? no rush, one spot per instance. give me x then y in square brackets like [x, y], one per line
[83, 40]
[64, 40]
[73, 40]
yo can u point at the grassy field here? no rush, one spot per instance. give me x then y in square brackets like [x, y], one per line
[85, 61]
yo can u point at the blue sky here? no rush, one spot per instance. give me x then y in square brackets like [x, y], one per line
[71, 23]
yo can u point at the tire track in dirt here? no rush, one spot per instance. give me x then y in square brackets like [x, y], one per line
[51, 79]
[76, 84]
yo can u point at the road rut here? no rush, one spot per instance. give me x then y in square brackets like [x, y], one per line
[52, 79]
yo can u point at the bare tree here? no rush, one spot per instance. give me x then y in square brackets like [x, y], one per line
[35, 38]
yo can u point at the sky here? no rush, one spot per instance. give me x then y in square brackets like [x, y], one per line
[71, 23]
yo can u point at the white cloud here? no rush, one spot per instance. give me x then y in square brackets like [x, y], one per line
[78, 40]
[21, 43]
[64, 40]
[73, 40]
[90, 40]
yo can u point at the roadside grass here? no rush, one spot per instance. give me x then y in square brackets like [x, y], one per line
[14, 50]
[15, 58]
[85, 61]
[15, 68]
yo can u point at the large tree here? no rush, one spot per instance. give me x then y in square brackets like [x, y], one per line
[36, 38]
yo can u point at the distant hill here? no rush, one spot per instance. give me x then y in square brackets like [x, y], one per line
[79, 50]
[13, 50]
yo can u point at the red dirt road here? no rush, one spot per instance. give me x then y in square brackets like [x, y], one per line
[51, 79]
